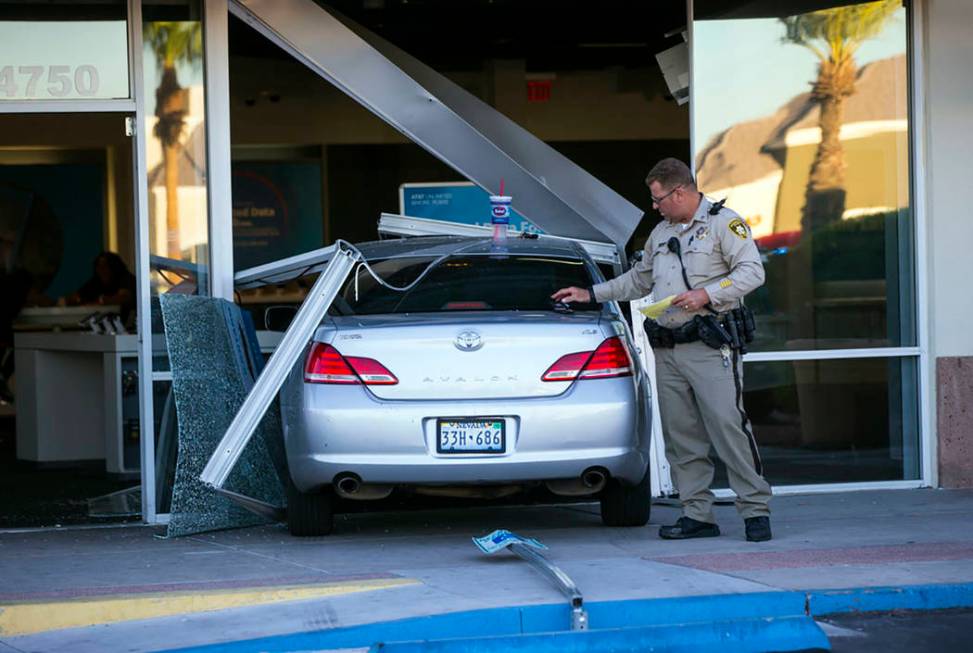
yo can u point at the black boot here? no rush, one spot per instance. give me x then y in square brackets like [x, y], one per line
[758, 529]
[686, 528]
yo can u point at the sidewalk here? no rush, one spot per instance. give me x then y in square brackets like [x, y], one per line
[385, 566]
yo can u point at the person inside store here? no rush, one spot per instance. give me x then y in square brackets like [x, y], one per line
[111, 284]
[703, 257]
[15, 289]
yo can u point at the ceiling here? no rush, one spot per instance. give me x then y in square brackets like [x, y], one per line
[548, 35]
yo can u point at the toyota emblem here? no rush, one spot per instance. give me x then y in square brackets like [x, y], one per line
[468, 341]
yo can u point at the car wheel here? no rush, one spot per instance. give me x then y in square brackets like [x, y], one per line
[310, 513]
[626, 505]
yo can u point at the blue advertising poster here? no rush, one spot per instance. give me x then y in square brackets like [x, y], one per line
[276, 211]
[462, 202]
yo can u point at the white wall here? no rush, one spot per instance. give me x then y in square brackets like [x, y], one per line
[947, 66]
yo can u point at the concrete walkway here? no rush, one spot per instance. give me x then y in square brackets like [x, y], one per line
[386, 566]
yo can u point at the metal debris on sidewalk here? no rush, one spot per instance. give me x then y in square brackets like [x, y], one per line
[529, 549]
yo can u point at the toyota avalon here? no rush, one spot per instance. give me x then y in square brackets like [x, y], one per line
[471, 382]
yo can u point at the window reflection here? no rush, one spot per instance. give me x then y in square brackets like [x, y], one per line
[803, 126]
[176, 151]
[175, 125]
[833, 421]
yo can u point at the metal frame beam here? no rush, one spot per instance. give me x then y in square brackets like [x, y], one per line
[218, 187]
[468, 135]
[269, 382]
[285, 269]
[143, 293]
[563, 582]
[403, 225]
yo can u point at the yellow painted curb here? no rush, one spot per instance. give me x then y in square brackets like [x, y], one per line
[29, 618]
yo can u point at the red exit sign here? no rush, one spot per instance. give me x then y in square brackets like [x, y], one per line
[538, 90]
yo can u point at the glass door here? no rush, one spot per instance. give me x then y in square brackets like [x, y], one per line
[174, 200]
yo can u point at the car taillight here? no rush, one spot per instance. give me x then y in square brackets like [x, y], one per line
[371, 372]
[325, 364]
[567, 368]
[611, 359]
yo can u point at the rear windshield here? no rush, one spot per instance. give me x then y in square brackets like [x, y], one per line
[465, 283]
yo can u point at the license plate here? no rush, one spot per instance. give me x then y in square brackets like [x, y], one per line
[470, 436]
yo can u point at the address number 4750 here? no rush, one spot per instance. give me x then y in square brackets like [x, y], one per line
[23, 81]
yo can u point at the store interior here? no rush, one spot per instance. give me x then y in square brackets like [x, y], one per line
[68, 237]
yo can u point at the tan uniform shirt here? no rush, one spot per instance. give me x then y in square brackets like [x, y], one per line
[719, 254]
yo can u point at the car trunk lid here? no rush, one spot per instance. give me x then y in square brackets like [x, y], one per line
[473, 356]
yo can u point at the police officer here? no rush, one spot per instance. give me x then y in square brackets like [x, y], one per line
[704, 254]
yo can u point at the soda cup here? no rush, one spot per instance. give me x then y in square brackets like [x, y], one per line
[500, 217]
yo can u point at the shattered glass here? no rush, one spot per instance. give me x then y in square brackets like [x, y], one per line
[123, 503]
[215, 359]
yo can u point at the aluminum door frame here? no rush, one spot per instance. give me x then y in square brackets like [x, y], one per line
[266, 386]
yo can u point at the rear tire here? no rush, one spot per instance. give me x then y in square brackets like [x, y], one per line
[310, 514]
[626, 505]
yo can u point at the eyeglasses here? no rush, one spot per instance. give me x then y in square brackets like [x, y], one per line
[658, 200]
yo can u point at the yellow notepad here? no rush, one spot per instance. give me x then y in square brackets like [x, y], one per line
[656, 309]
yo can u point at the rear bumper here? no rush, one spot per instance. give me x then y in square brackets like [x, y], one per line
[330, 430]
[311, 470]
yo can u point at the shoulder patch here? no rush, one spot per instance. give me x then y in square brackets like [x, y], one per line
[739, 228]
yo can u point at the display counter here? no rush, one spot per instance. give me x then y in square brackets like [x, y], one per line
[77, 398]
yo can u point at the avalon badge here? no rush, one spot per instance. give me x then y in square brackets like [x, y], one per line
[468, 341]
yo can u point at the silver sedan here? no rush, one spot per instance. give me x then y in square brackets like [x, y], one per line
[472, 383]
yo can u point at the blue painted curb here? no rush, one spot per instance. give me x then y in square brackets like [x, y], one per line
[530, 619]
[737, 636]
[883, 599]
[616, 622]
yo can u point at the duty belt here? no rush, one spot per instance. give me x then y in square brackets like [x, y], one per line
[715, 331]
[660, 336]
[734, 329]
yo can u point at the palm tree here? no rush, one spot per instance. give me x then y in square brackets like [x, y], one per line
[172, 43]
[834, 36]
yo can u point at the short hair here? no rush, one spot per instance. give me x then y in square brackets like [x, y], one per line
[670, 173]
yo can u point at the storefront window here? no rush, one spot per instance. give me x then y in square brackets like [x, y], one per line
[172, 35]
[801, 123]
[834, 421]
[63, 51]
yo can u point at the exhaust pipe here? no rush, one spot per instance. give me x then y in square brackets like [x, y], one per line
[349, 486]
[591, 481]
[593, 478]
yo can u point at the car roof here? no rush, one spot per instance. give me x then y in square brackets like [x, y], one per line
[435, 246]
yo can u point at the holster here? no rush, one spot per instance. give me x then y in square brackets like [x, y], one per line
[740, 323]
[749, 323]
[711, 332]
[659, 336]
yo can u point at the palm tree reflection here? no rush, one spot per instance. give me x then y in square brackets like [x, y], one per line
[834, 36]
[172, 43]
